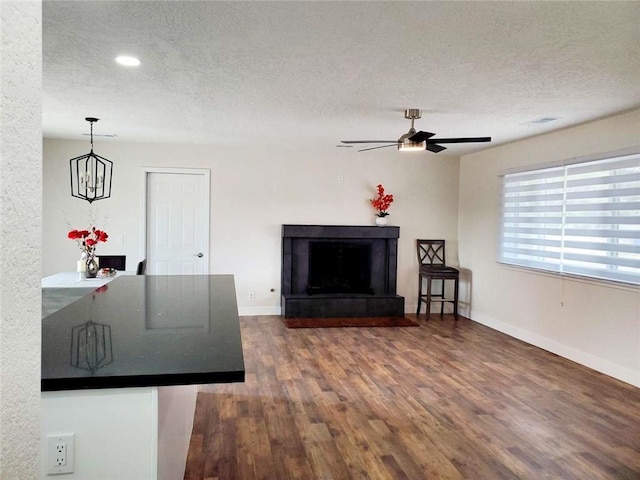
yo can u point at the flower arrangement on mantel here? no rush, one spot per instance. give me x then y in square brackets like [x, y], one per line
[382, 202]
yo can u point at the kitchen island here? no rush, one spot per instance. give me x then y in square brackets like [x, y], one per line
[120, 367]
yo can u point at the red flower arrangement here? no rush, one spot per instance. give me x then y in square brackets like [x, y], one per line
[88, 239]
[382, 202]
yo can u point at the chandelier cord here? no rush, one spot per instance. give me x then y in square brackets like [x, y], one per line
[91, 124]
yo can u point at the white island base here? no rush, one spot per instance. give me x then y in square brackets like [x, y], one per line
[124, 433]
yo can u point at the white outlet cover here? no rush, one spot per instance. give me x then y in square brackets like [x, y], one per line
[67, 440]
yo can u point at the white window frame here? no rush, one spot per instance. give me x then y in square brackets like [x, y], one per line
[577, 217]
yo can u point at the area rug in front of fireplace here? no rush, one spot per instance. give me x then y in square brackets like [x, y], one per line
[337, 322]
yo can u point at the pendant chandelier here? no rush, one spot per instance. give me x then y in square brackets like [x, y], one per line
[91, 174]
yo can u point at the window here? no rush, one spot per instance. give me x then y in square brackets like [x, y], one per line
[581, 218]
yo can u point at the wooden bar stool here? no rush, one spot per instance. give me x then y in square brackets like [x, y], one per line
[431, 259]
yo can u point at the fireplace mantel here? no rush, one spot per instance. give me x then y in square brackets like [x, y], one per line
[339, 231]
[382, 302]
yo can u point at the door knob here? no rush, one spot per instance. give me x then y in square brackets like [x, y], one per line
[200, 255]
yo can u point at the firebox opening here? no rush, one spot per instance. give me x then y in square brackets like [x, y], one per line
[339, 267]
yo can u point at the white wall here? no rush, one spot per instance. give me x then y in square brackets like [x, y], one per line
[254, 190]
[20, 234]
[116, 432]
[595, 324]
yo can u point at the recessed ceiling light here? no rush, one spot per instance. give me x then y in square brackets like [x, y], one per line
[128, 61]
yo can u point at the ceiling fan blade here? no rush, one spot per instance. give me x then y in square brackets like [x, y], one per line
[369, 141]
[421, 136]
[432, 147]
[459, 140]
[375, 148]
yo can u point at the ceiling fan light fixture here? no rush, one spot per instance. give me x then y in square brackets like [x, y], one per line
[409, 146]
[405, 144]
[413, 141]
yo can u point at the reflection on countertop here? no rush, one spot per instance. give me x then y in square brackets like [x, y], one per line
[142, 331]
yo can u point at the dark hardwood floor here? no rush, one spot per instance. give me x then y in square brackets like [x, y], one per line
[442, 401]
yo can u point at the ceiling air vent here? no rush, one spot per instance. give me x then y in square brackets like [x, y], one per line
[541, 120]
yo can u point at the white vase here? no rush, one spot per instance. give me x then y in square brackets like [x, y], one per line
[381, 221]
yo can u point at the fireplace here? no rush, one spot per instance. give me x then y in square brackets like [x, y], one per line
[339, 271]
[339, 267]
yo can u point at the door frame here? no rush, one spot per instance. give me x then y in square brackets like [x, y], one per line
[145, 171]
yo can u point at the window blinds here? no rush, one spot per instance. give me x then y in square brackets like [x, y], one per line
[581, 219]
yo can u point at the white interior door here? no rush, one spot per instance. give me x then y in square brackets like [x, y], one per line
[177, 221]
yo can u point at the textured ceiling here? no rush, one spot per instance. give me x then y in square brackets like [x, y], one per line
[313, 73]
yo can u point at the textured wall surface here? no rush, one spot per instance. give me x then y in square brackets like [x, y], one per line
[20, 237]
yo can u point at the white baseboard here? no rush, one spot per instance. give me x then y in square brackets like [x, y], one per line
[251, 311]
[583, 358]
[436, 309]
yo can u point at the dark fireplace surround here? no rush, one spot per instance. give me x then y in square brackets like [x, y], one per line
[340, 271]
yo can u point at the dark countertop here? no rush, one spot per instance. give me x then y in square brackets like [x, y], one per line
[53, 299]
[138, 330]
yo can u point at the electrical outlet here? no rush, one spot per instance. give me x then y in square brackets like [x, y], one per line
[60, 453]
[252, 295]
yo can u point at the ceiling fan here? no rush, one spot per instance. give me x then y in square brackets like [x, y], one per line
[415, 141]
